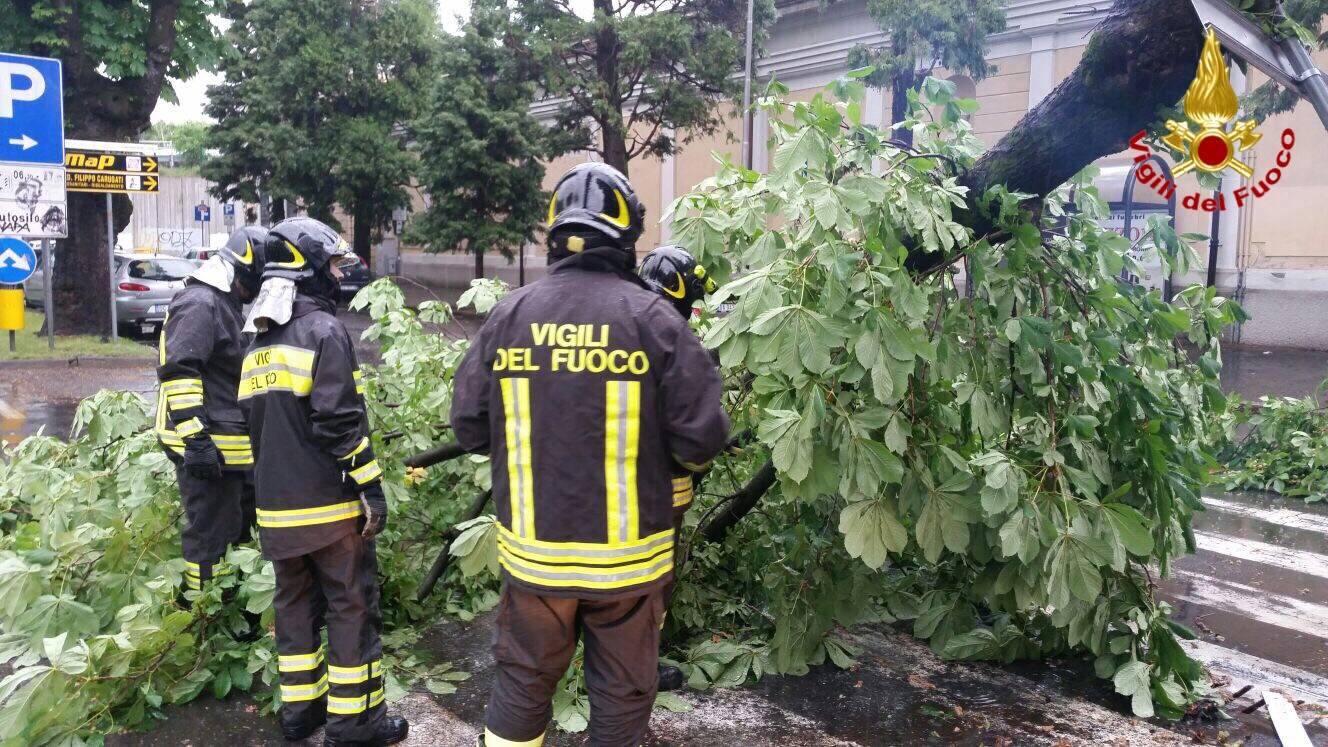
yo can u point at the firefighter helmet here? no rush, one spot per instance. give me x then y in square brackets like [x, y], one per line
[599, 197]
[298, 248]
[245, 251]
[674, 273]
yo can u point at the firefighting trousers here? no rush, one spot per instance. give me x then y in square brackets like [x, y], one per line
[213, 521]
[336, 586]
[534, 639]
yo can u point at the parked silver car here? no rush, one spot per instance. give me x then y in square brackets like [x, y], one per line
[144, 286]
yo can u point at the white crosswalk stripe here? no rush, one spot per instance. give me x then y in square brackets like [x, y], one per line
[1245, 669]
[1286, 517]
[1290, 559]
[1257, 604]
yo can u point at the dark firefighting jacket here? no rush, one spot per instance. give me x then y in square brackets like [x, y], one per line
[587, 389]
[199, 354]
[301, 390]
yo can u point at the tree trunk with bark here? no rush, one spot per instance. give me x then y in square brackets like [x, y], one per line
[98, 108]
[612, 138]
[478, 251]
[363, 235]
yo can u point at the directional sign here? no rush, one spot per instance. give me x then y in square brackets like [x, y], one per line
[92, 161]
[32, 201]
[17, 260]
[32, 122]
[98, 181]
[202, 213]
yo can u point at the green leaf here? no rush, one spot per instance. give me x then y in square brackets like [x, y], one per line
[871, 530]
[1132, 680]
[1130, 526]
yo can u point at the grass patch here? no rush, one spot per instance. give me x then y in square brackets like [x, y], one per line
[31, 346]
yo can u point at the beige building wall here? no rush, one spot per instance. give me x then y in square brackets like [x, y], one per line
[1288, 227]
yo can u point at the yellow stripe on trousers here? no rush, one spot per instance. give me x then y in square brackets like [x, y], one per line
[520, 481]
[622, 425]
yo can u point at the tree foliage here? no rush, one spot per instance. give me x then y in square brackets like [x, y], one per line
[998, 469]
[118, 59]
[1302, 20]
[640, 77]
[1284, 447]
[314, 102]
[921, 36]
[90, 626]
[480, 149]
[188, 138]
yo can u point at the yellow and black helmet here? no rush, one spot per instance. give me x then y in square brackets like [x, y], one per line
[673, 272]
[298, 248]
[598, 197]
[246, 250]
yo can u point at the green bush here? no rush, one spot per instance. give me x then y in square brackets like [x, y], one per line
[1284, 447]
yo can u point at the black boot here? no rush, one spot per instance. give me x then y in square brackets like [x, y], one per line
[391, 729]
[670, 678]
[296, 729]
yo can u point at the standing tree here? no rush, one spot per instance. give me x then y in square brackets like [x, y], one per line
[479, 146]
[118, 60]
[314, 102]
[641, 76]
[189, 139]
[923, 35]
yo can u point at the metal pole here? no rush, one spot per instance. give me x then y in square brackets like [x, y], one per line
[110, 266]
[521, 267]
[48, 280]
[747, 124]
[1216, 226]
[1311, 78]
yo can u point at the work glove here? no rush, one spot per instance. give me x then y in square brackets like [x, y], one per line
[201, 459]
[374, 505]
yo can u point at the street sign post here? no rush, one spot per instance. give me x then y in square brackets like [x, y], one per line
[32, 122]
[100, 181]
[17, 263]
[32, 154]
[33, 201]
[109, 168]
[228, 215]
[203, 216]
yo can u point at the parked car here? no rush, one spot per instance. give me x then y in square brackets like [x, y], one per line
[144, 286]
[355, 274]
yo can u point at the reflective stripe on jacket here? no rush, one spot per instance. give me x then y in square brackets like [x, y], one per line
[587, 390]
[198, 355]
[299, 385]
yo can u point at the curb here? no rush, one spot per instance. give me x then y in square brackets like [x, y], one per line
[74, 362]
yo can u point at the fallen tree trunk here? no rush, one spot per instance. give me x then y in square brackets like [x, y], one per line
[1139, 60]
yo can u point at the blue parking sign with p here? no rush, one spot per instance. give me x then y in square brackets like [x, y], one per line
[32, 123]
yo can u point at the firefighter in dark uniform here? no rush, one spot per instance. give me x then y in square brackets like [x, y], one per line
[319, 492]
[199, 422]
[585, 389]
[674, 273]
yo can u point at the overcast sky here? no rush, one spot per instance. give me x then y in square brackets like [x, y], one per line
[193, 92]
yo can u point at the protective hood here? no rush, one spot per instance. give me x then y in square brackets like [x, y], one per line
[272, 307]
[216, 272]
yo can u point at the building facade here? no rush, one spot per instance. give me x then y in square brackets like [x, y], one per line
[1272, 253]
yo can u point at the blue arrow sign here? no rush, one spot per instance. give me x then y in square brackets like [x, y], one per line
[17, 260]
[202, 214]
[32, 121]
